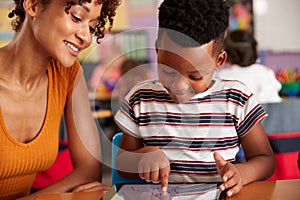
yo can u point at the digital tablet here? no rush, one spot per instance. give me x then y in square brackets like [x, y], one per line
[197, 191]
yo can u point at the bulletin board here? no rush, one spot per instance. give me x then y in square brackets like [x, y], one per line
[274, 23]
[241, 15]
[145, 7]
[6, 32]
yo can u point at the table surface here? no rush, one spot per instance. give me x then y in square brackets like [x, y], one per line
[267, 190]
[261, 190]
[100, 114]
[72, 196]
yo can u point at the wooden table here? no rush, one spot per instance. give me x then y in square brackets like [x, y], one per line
[270, 190]
[101, 114]
[100, 96]
[73, 196]
[262, 190]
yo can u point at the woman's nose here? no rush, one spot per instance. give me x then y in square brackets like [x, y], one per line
[84, 35]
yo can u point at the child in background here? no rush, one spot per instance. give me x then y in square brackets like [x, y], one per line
[241, 48]
[132, 73]
[187, 126]
[105, 76]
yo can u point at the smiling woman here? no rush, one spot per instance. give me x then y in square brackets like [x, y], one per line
[40, 79]
[107, 13]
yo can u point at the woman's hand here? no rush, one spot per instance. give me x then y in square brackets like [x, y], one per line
[93, 186]
[27, 198]
[89, 187]
[231, 177]
[154, 167]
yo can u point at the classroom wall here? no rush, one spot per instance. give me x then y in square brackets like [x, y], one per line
[281, 60]
[277, 28]
[277, 25]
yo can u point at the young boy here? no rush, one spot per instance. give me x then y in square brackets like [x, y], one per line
[187, 127]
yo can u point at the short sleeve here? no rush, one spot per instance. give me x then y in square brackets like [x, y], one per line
[250, 113]
[127, 117]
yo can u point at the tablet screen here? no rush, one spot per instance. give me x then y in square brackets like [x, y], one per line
[199, 191]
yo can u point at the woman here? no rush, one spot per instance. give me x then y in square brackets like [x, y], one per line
[40, 78]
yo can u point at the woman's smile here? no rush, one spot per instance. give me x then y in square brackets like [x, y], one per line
[73, 48]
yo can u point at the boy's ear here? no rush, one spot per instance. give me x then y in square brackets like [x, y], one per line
[221, 59]
[31, 7]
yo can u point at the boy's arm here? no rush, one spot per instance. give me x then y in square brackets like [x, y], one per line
[259, 165]
[127, 160]
[147, 162]
[260, 162]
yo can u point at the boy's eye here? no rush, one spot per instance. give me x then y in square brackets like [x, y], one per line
[75, 18]
[191, 77]
[169, 72]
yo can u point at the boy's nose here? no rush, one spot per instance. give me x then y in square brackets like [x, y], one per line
[180, 85]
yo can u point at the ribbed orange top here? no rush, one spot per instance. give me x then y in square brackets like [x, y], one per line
[19, 162]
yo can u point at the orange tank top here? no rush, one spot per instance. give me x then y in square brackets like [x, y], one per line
[20, 162]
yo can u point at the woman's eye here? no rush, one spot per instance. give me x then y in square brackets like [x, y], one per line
[75, 18]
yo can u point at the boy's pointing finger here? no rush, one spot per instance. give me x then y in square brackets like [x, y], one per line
[220, 161]
[164, 182]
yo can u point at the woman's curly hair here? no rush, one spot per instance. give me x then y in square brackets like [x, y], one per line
[200, 20]
[108, 12]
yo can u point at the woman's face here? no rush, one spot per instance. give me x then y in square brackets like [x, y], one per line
[62, 35]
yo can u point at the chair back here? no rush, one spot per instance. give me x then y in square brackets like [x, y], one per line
[116, 178]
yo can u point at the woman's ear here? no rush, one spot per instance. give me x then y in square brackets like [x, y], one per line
[221, 59]
[31, 7]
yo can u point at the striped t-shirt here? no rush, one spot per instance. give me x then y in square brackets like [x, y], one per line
[189, 133]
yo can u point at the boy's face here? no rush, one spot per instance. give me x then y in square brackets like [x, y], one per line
[185, 72]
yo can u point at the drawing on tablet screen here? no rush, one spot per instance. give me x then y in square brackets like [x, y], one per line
[175, 192]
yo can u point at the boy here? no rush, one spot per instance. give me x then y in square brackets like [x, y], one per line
[187, 127]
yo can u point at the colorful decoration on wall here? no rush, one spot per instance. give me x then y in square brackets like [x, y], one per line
[6, 32]
[241, 15]
[240, 18]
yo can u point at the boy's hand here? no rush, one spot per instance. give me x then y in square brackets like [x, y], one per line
[232, 180]
[154, 167]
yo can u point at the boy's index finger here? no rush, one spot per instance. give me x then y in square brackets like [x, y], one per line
[164, 182]
[220, 161]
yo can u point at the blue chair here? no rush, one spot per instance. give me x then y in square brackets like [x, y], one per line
[116, 178]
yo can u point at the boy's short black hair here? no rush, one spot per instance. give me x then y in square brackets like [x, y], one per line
[200, 20]
[241, 48]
